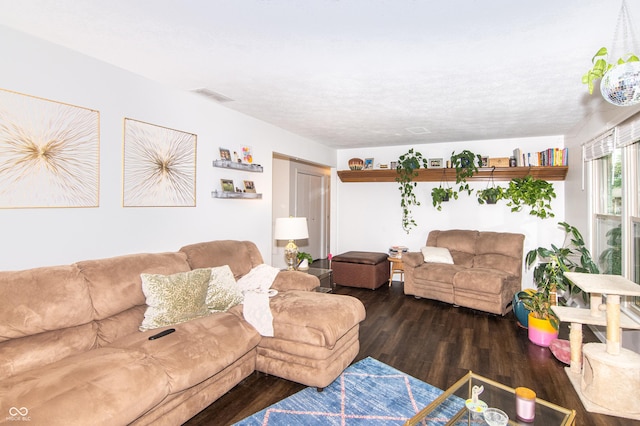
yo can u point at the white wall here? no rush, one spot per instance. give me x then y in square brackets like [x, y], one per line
[370, 217]
[39, 237]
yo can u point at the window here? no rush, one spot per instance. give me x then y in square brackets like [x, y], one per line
[615, 190]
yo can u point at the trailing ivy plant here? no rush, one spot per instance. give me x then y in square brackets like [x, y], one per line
[407, 169]
[535, 193]
[601, 66]
[466, 164]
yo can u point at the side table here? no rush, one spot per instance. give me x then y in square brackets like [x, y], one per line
[397, 267]
[324, 275]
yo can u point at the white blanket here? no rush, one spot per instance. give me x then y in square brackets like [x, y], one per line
[255, 287]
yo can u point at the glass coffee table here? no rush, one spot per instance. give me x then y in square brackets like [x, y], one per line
[450, 408]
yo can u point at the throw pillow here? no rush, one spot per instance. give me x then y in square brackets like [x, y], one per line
[223, 293]
[436, 255]
[172, 299]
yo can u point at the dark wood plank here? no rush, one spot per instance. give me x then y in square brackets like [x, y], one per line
[434, 342]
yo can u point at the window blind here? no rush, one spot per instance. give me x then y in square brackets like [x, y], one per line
[599, 146]
[628, 132]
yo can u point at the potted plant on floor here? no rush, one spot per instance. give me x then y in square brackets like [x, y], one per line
[543, 323]
[572, 256]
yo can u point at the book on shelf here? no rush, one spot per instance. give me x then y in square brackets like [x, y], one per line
[549, 157]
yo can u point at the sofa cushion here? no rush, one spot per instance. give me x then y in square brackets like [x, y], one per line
[172, 299]
[454, 239]
[436, 255]
[42, 299]
[26, 353]
[480, 280]
[298, 317]
[508, 264]
[241, 256]
[441, 272]
[115, 284]
[198, 349]
[102, 386]
[223, 292]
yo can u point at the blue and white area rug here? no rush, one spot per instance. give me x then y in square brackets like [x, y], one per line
[366, 393]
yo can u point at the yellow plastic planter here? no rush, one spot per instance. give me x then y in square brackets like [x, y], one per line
[541, 332]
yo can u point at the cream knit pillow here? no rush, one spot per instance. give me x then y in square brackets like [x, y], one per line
[172, 299]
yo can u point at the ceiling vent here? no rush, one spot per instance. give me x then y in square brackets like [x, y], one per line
[214, 96]
[418, 130]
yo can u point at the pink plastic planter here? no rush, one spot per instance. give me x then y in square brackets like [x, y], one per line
[541, 332]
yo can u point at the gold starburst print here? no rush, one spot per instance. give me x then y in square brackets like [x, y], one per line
[159, 166]
[49, 153]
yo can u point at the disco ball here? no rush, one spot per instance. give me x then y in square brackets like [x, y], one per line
[621, 84]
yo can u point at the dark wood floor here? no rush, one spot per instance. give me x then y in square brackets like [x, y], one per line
[435, 342]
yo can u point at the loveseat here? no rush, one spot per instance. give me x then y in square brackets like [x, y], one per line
[71, 349]
[478, 270]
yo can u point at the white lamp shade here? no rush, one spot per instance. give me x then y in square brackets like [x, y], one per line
[291, 228]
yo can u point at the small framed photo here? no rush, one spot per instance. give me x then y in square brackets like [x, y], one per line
[436, 163]
[225, 154]
[227, 185]
[247, 156]
[393, 165]
[249, 186]
[484, 162]
[368, 164]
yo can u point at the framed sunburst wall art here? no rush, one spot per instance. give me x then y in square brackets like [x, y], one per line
[49, 153]
[159, 166]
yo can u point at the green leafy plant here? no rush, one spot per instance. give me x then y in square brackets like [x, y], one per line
[601, 66]
[407, 169]
[466, 164]
[539, 305]
[572, 256]
[442, 194]
[490, 195]
[302, 255]
[535, 193]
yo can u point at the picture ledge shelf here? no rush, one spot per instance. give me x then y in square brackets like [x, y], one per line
[229, 194]
[437, 175]
[227, 164]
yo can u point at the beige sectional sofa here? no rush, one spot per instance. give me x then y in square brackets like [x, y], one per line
[71, 351]
[484, 270]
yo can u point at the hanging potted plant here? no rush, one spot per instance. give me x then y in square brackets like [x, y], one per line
[492, 193]
[442, 193]
[407, 169]
[466, 164]
[535, 193]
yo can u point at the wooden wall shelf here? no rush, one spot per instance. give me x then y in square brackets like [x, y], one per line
[436, 175]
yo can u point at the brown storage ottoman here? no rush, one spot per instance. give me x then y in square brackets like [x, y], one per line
[360, 269]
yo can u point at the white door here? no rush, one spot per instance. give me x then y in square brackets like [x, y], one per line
[310, 203]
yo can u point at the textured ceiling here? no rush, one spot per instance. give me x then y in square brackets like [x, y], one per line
[354, 73]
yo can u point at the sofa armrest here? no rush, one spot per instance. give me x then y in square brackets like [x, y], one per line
[412, 259]
[295, 280]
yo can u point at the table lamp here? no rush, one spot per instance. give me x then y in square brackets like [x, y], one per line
[291, 228]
